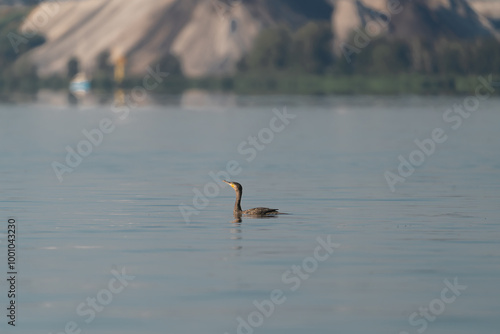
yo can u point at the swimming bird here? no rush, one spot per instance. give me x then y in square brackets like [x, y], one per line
[256, 212]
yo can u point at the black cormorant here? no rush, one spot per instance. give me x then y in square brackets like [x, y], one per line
[257, 212]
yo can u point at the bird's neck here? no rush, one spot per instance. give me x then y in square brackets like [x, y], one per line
[237, 204]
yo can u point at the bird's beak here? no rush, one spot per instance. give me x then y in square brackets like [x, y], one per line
[230, 183]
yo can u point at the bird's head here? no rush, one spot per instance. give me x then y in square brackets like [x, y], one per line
[235, 185]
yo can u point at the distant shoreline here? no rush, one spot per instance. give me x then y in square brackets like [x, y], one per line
[300, 84]
[400, 85]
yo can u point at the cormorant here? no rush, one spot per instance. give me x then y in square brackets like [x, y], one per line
[257, 212]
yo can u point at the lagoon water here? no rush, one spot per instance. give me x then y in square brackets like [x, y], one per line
[396, 256]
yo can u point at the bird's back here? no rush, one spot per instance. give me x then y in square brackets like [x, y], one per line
[261, 212]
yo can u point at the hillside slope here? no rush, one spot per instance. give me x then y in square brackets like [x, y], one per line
[490, 10]
[210, 36]
[83, 29]
[426, 19]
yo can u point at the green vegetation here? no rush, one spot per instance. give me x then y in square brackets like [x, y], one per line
[73, 67]
[17, 73]
[354, 84]
[102, 78]
[301, 62]
[308, 50]
[311, 48]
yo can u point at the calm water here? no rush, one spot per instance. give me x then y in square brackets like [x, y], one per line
[398, 251]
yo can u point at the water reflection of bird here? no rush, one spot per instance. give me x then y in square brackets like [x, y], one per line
[256, 212]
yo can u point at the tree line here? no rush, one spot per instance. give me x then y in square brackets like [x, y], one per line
[309, 49]
[17, 73]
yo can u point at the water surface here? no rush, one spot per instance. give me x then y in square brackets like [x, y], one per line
[119, 208]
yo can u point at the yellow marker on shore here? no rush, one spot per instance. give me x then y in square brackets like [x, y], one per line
[119, 74]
